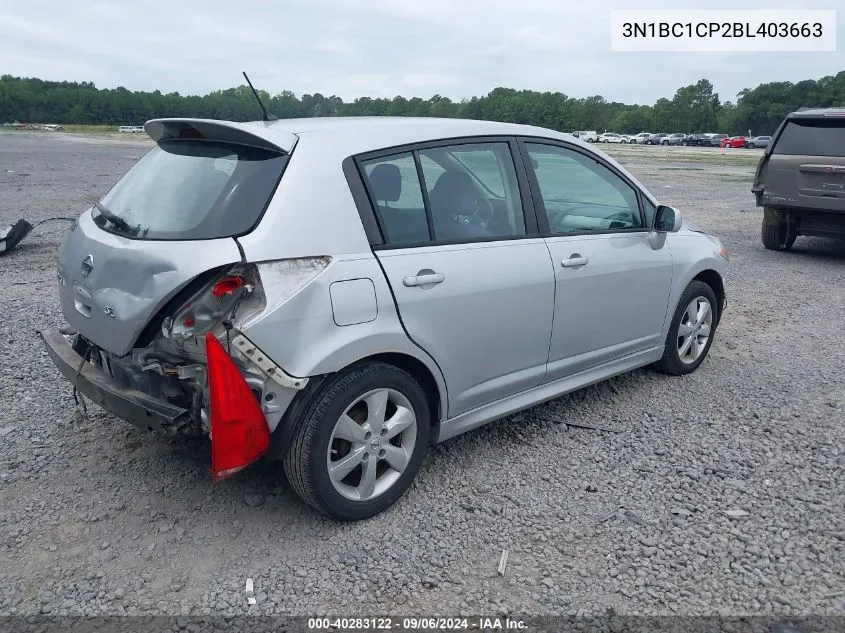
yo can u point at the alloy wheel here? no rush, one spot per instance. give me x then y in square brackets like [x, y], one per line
[694, 329]
[371, 444]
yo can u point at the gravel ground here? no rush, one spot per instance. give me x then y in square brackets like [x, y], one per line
[721, 493]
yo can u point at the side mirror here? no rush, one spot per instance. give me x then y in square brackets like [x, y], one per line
[667, 220]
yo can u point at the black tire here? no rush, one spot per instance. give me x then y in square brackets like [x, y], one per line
[775, 232]
[665, 142]
[671, 362]
[305, 462]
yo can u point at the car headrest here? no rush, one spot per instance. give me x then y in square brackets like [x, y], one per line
[386, 182]
[453, 192]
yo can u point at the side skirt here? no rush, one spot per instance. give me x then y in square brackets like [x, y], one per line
[543, 393]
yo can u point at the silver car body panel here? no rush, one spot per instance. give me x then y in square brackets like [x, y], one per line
[302, 336]
[692, 253]
[611, 307]
[111, 286]
[487, 323]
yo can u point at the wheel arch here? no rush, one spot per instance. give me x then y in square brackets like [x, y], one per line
[434, 389]
[420, 371]
[715, 281]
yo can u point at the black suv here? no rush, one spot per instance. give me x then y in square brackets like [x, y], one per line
[696, 139]
[800, 179]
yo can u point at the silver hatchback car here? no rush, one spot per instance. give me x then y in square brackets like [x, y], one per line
[339, 294]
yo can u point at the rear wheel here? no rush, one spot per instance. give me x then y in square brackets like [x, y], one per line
[360, 442]
[775, 232]
[691, 332]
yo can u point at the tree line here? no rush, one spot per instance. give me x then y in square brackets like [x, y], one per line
[693, 108]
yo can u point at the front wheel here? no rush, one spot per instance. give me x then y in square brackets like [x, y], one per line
[691, 332]
[360, 441]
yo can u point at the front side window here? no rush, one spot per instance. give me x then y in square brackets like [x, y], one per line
[471, 193]
[192, 190]
[580, 194]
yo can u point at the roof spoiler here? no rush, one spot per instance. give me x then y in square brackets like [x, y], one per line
[256, 135]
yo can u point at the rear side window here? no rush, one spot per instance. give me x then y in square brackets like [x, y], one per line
[192, 190]
[812, 138]
[471, 192]
[395, 186]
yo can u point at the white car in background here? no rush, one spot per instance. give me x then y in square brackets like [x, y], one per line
[590, 136]
[642, 138]
[612, 137]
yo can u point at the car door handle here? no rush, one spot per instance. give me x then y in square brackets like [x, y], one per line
[424, 280]
[574, 261]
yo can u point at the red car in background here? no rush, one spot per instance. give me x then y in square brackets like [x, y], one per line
[734, 141]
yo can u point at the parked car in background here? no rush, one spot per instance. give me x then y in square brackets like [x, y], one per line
[758, 142]
[642, 138]
[715, 140]
[733, 141]
[53, 127]
[800, 179]
[590, 136]
[611, 137]
[656, 139]
[695, 139]
[365, 335]
[674, 139]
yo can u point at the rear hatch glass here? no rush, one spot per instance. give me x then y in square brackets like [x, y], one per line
[192, 190]
[812, 138]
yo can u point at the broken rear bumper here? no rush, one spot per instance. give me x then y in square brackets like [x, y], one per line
[131, 405]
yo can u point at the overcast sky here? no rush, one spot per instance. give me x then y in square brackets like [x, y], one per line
[377, 48]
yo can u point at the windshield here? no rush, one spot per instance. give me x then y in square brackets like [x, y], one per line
[192, 190]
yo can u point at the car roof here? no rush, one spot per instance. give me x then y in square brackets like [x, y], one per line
[366, 133]
[817, 113]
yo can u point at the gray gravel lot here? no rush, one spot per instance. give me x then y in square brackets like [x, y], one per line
[99, 518]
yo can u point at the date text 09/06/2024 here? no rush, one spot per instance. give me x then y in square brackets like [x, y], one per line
[415, 624]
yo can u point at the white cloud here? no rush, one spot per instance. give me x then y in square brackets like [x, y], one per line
[455, 48]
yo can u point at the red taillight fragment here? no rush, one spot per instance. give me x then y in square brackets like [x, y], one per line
[227, 285]
[239, 432]
[189, 321]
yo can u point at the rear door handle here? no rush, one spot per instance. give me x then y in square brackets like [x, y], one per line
[574, 261]
[424, 280]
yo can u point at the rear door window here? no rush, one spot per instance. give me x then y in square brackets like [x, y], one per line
[394, 185]
[477, 195]
[812, 138]
[460, 193]
[192, 190]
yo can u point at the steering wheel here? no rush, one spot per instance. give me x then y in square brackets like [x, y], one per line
[484, 211]
[621, 216]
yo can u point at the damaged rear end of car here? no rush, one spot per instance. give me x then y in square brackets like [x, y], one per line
[156, 290]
